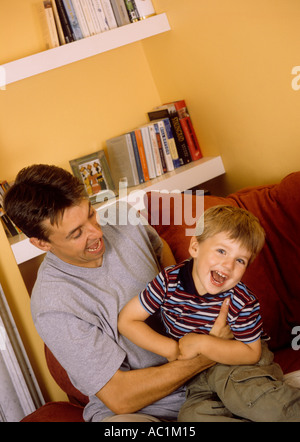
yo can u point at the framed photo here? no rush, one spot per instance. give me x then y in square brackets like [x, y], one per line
[94, 173]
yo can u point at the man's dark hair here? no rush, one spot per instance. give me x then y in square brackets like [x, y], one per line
[41, 192]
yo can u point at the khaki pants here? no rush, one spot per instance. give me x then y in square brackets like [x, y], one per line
[254, 393]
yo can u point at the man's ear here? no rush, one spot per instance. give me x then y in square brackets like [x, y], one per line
[194, 246]
[40, 244]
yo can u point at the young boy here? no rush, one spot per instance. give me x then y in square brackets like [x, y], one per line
[189, 297]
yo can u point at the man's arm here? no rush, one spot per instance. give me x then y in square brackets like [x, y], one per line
[128, 392]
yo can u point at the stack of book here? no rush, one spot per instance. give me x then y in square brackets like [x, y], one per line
[10, 228]
[166, 143]
[71, 20]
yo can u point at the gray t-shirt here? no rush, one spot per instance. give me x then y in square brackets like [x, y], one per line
[75, 311]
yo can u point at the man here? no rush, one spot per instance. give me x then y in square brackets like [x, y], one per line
[88, 275]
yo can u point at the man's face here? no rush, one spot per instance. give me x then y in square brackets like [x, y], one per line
[78, 238]
[219, 263]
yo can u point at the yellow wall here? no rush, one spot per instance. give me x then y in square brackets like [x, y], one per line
[231, 60]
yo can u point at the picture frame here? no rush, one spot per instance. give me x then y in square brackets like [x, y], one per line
[94, 173]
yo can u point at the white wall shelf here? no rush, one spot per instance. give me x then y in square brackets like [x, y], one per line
[87, 47]
[183, 178]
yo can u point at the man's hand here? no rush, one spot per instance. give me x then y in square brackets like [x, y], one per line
[220, 328]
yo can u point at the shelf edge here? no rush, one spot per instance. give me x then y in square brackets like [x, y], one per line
[88, 47]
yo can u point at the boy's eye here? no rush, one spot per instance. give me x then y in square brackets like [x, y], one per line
[221, 251]
[241, 261]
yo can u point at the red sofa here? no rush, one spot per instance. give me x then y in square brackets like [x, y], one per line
[274, 276]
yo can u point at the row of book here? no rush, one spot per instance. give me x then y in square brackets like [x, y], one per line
[72, 20]
[10, 228]
[167, 142]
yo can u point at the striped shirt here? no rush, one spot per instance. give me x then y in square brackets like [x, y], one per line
[183, 311]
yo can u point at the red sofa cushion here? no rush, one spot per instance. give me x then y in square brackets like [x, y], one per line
[56, 412]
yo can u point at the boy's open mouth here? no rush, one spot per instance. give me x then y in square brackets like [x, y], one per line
[218, 278]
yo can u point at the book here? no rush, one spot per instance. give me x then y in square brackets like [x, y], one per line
[132, 11]
[65, 24]
[137, 157]
[165, 146]
[89, 14]
[81, 18]
[50, 25]
[155, 149]
[142, 154]
[122, 160]
[171, 142]
[109, 14]
[144, 8]
[59, 28]
[10, 228]
[73, 20]
[98, 15]
[169, 111]
[188, 129]
[160, 148]
[120, 12]
[148, 152]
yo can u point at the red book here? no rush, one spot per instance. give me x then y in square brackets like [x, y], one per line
[188, 129]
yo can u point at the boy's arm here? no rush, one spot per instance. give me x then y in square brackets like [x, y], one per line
[219, 350]
[131, 324]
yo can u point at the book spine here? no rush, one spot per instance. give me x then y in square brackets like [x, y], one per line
[172, 144]
[132, 160]
[60, 31]
[148, 152]
[145, 8]
[73, 20]
[99, 15]
[93, 26]
[160, 148]
[156, 155]
[132, 11]
[165, 145]
[53, 40]
[142, 154]
[81, 18]
[109, 14]
[120, 12]
[137, 157]
[188, 129]
[68, 33]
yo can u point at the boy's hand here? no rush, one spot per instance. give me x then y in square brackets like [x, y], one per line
[173, 351]
[189, 346]
[220, 328]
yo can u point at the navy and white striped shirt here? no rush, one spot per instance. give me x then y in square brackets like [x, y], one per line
[183, 311]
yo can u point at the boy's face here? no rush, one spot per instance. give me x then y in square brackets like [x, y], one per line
[77, 239]
[219, 263]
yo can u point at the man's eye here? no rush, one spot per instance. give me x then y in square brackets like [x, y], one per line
[78, 235]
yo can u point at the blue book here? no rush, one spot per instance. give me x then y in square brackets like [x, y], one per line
[73, 20]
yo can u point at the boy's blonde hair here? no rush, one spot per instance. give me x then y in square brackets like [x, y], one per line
[238, 223]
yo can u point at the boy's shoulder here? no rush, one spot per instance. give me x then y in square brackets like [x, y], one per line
[243, 293]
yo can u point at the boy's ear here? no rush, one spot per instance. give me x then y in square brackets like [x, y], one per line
[194, 246]
[40, 244]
